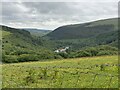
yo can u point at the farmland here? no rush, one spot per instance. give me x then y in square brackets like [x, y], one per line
[86, 72]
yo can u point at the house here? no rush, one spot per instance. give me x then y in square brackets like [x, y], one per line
[62, 50]
[57, 51]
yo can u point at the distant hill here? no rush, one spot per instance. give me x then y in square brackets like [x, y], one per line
[15, 37]
[37, 32]
[85, 30]
[19, 46]
[79, 36]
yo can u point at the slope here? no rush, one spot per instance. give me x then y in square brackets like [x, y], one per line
[86, 30]
[77, 36]
[19, 46]
[37, 32]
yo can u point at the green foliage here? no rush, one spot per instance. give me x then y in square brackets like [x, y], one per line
[30, 78]
[92, 72]
[27, 57]
[83, 54]
[9, 59]
[95, 51]
[44, 74]
[86, 30]
[21, 45]
[102, 67]
[64, 55]
[84, 40]
[79, 36]
[57, 56]
[107, 53]
[46, 54]
[19, 52]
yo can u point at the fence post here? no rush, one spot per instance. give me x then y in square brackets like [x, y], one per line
[110, 82]
[94, 79]
[78, 78]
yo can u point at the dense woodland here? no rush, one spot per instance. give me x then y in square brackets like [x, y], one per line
[85, 40]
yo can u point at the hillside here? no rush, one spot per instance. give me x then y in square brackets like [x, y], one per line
[85, 30]
[101, 32]
[19, 45]
[17, 38]
[93, 39]
[37, 32]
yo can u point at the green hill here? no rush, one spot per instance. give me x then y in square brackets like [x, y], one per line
[88, 39]
[19, 45]
[86, 30]
[18, 38]
[37, 32]
[95, 33]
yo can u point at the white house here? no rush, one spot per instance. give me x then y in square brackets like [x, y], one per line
[57, 51]
[61, 50]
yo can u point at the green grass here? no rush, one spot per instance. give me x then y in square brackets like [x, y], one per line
[5, 33]
[68, 73]
[113, 21]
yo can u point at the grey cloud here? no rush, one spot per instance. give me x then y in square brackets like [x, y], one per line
[50, 8]
[54, 14]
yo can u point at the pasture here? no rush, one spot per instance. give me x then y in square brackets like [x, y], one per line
[86, 72]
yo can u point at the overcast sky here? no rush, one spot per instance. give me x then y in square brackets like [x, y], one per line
[50, 15]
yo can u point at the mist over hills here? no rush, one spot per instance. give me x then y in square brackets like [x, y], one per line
[37, 32]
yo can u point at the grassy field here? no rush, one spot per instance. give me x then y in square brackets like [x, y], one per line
[5, 33]
[89, 72]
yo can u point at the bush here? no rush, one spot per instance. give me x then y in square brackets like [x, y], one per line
[9, 59]
[83, 54]
[46, 54]
[64, 55]
[35, 57]
[20, 52]
[72, 55]
[27, 57]
[31, 77]
[106, 47]
[93, 51]
[56, 56]
[106, 53]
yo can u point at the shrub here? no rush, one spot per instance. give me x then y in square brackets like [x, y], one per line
[20, 52]
[64, 55]
[92, 51]
[9, 59]
[46, 54]
[57, 56]
[106, 53]
[72, 55]
[27, 57]
[106, 47]
[31, 77]
[83, 54]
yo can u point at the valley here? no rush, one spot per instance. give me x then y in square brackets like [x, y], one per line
[72, 56]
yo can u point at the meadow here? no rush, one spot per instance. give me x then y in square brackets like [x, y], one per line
[85, 72]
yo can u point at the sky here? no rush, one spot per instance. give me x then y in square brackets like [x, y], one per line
[51, 15]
